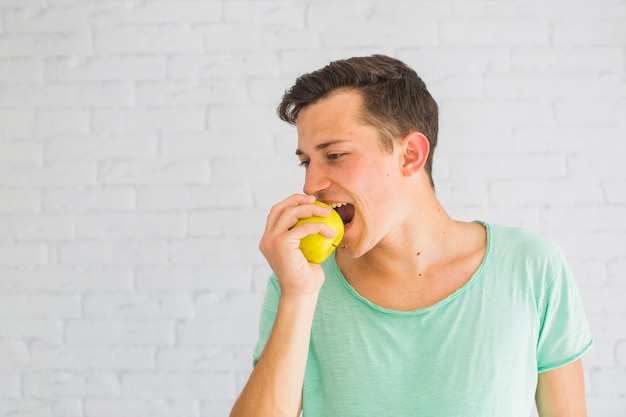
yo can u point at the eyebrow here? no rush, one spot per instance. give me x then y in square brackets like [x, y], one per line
[322, 146]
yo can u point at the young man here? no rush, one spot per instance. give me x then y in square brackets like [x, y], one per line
[416, 314]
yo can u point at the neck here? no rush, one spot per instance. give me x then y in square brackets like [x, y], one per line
[422, 240]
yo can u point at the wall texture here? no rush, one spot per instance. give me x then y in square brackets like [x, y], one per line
[140, 153]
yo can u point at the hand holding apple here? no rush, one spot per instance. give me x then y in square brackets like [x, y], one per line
[317, 248]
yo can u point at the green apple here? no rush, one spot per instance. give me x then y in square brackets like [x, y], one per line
[317, 248]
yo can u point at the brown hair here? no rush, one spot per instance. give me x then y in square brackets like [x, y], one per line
[396, 99]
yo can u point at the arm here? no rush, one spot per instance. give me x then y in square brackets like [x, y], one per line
[561, 392]
[275, 385]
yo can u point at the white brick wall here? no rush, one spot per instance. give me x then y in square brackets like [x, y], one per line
[140, 153]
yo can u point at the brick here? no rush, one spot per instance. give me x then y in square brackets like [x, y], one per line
[13, 355]
[148, 39]
[217, 251]
[48, 20]
[221, 407]
[458, 86]
[50, 174]
[266, 194]
[589, 32]
[23, 253]
[70, 384]
[69, 358]
[11, 4]
[21, 70]
[367, 20]
[459, 140]
[113, 253]
[528, 166]
[222, 66]
[9, 386]
[37, 227]
[17, 124]
[194, 278]
[498, 114]
[616, 271]
[148, 120]
[460, 193]
[119, 333]
[20, 200]
[227, 222]
[285, 15]
[564, 139]
[103, 147]
[590, 272]
[260, 275]
[33, 330]
[80, 199]
[432, 63]
[610, 381]
[186, 93]
[588, 218]
[138, 306]
[131, 225]
[215, 145]
[228, 306]
[45, 45]
[21, 154]
[177, 385]
[494, 9]
[614, 191]
[53, 122]
[513, 31]
[605, 404]
[106, 68]
[149, 407]
[592, 245]
[155, 172]
[194, 197]
[66, 407]
[295, 62]
[258, 37]
[39, 306]
[546, 60]
[620, 353]
[610, 167]
[218, 332]
[213, 359]
[26, 96]
[66, 279]
[267, 170]
[589, 113]
[543, 191]
[162, 11]
[258, 90]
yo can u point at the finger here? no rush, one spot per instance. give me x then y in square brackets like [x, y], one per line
[277, 211]
[311, 228]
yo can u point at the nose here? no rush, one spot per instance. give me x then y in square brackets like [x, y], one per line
[315, 180]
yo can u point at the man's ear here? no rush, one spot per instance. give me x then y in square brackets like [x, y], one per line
[415, 149]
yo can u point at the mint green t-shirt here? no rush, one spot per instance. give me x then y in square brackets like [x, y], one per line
[475, 353]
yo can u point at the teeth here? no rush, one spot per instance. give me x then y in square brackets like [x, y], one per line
[335, 205]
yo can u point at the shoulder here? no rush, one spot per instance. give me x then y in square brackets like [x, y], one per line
[529, 254]
[521, 242]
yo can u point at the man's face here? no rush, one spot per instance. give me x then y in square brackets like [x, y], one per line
[345, 163]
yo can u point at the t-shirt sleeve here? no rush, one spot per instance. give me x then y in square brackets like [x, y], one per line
[564, 333]
[268, 315]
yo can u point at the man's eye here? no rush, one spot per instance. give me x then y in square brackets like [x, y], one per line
[304, 163]
[333, 156]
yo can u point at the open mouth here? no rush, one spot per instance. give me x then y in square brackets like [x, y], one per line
[345, 211]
